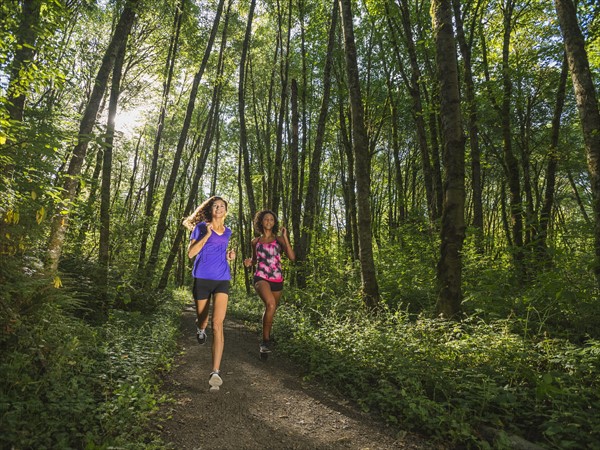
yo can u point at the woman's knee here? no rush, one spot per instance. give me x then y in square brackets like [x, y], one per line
[271, 306]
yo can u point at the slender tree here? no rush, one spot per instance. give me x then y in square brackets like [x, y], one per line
[276, 183]
[314, 173]
[107, 167]
[168, 78]
[466, 49]
[413, 84]
[242, 111]
[587, 105]
[70, 178]
[511, 163]
[161, 226]
[362, 156]
[449, 271]
[550, 188]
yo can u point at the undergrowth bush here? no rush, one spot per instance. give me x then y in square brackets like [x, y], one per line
[69, 384]
[453, 380]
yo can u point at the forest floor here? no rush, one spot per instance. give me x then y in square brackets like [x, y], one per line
[261, 404]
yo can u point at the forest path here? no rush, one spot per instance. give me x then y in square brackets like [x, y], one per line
[261, 405]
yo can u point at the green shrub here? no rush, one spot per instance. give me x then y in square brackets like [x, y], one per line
[449, 380]
[68, 384]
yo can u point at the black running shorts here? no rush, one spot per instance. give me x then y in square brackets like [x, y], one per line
[203, 288]
[275, 285]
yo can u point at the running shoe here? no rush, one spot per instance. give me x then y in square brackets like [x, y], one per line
[215, 380]
[201, 336]
[265, 347]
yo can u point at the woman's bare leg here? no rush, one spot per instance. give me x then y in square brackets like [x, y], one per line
[218, 317]
[202, 313]
[271, 301]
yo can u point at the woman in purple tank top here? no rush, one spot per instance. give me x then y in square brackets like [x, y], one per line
[208, 244]
[268, 277]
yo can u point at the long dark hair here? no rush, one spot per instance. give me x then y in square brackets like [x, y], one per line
[203, 212]
[258, 218]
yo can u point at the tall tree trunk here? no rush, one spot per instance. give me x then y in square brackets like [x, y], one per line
[472, 118]
[587, 105]
[449, 270]
[212, 130]
[360, 144]
[26, 37]
[276, 185]
[305, 113]
[161, 226]
[244, 237]
[104, 245]
[413, 85]
[314, 174]
[351, 218]
[168, 77]
[60, 219]
[296, 207]
[398, 204]
[510, 161]
[436, 165]
[242, 111]
[524, 113]
[549, 192]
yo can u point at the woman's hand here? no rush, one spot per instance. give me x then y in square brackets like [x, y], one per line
[230, 255]
[248, 262]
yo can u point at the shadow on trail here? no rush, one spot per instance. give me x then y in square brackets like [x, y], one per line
[261, 405]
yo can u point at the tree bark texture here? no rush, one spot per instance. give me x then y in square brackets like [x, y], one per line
[449, 270]
[362, 156]
[242, 111]
[25, 50]
[472, 118]
[314, 173]
[587, 105]
[104, 245]
[549, 191]
[168, 74]
[71, 177]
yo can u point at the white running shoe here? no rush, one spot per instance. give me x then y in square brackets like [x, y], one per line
[215, 380]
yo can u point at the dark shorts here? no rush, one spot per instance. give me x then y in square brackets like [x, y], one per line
[203, 288]
[275, 285]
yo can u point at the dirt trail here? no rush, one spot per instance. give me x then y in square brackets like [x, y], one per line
[261, 405]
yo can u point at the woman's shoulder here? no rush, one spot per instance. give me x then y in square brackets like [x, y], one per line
[199, 228]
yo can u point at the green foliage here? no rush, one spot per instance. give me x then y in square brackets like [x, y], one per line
[559, 300]
[449, 380]
[406, 269]
[66, 384]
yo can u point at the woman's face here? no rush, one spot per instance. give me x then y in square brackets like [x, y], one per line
[268, 221]
[219, 208]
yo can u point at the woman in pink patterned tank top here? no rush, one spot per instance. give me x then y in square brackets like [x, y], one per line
[268, 277]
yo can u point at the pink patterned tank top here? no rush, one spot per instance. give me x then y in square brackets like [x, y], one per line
[268, 261]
